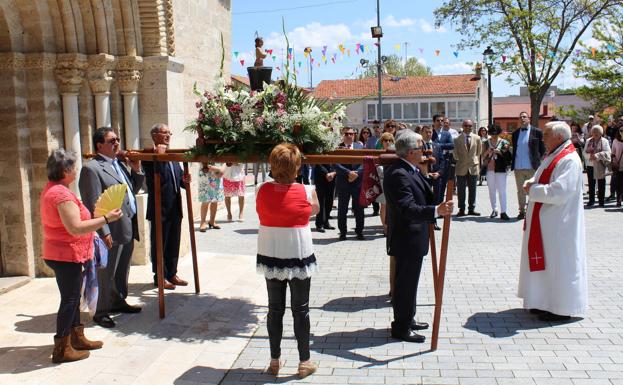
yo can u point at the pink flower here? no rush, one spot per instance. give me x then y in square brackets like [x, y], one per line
[198, 104]
[201, 116]
[235, 109]
[206, 94]
[259, 121]
[217, 120]
[281, 98]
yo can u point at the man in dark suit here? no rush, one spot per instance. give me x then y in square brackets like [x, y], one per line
[172, 180]
[348, 186]
[96, 176]
[410, 210]
[528, 150]
[324, 179]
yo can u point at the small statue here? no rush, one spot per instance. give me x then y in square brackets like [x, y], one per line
[260, 54]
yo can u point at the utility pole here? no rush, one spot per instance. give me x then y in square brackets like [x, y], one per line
[378, 62]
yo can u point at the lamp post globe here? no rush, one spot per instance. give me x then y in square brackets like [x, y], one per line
[488, 59]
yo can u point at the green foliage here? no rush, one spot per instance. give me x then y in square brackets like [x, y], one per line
[396, 67]
[539, 35]
[603, 70]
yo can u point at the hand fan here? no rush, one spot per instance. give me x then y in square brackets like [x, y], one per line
[110, 199]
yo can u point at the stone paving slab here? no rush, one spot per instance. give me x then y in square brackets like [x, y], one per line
[220, 337]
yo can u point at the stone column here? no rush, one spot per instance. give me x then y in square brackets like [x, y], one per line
[70, 75]
[128, 78]
[100, 77]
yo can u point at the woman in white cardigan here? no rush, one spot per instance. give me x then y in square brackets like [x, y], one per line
[597, 155]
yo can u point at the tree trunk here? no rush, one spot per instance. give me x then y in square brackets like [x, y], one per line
[536, 98]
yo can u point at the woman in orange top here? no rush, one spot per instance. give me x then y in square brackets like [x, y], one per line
[68, 232]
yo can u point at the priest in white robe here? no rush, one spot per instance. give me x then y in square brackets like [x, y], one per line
[552, 277]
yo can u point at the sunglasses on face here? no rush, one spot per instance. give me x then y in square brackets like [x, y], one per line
[349, 133]
[113, 140]
[388, 141]
[365, 133]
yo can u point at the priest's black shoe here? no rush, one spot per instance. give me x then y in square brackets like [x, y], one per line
[104, 321]
[461, 213]
[328, 226]
[125, 307]
[418, 325]
[551, 317]
[320, 229]
[409, 336]
[474, 213]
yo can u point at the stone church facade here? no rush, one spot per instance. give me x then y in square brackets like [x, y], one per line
[70, 66]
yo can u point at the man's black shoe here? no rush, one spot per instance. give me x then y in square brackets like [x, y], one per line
[418, 325]
[551, 317]
[537, 311]
[328, 226]
[125, 307]
[375, 213]
[360, 237]
[342, 237]
[104, 321]
[474, 213]
[461, 213]
[320, 229]
[409, 336]
[504, 217]
[521, 216]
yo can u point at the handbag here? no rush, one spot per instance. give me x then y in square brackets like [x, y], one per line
[370, 184]
[100, 253]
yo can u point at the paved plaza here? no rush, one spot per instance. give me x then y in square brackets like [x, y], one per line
[219, 336]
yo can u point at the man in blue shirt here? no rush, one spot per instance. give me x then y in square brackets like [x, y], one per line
[528, 150]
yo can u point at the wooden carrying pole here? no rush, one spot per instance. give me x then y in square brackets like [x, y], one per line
[445, 236]
[337, 156]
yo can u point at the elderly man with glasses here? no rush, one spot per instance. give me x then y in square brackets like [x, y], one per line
[528, 150]
[96, 176]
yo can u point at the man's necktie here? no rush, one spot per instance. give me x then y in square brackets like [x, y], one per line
[123, 177]
[467, 141]
[173, 175]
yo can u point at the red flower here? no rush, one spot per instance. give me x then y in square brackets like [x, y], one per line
[235, 109]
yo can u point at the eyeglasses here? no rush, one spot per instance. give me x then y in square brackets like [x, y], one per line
[418, 148]
[524, 117]
[365, 132]
[169, 133]
[468, 125]
[113, 140]
[349, 133]
[392, 126]
[387, 141]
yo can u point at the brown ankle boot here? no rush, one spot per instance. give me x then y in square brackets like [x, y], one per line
[80, 342]
[63, 352]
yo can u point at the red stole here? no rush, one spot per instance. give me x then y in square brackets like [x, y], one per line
[536, 255]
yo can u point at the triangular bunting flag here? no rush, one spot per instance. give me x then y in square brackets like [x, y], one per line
[456, 54]
[594, 51]
[503, 58]
[236, 54]
[437, 52]
[421, 50]
[397, 46]
[241, 62]
[269, 51]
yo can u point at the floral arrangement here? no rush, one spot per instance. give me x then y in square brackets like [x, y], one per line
[236, 121]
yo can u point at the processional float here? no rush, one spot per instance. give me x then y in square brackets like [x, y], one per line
[337, 156]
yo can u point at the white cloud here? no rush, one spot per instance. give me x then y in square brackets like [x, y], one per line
[427, 27]
[592, 43]
[389, 21]
[313, 35]
[449, 69]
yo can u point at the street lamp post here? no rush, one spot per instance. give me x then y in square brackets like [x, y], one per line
[488, 57]
[377, 33]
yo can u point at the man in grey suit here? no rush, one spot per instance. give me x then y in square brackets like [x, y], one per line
[467, 151]
[96, 176]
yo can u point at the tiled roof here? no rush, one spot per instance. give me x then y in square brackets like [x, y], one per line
[241, 79]
[393, 86]
[512, 110]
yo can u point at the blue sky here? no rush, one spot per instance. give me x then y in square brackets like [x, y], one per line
[347, 22]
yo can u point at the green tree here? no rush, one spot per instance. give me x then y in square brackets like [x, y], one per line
[604, 70]
[394, 65]
[537, 36]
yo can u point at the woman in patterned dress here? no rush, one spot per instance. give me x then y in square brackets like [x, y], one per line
[233, 183]
[210, 193]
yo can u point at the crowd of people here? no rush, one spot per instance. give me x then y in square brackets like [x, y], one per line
[548, 167]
